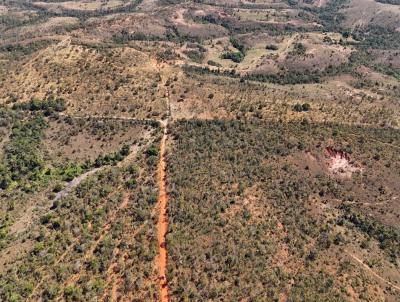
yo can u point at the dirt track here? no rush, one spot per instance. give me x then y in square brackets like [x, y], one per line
[163, 202]
[163, 222]
[368, 269]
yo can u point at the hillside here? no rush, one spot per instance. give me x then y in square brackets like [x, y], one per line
[208, 150]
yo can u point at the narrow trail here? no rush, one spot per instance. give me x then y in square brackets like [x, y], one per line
[368, 269]
[116, 279]
[112, 277]
[105, 229]
[71, 185]
[58, 260]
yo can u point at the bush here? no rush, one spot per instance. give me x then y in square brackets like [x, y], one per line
[38, 248]
[236, 57]
[306, 107]
[301, 107]
[73, 293]
[50, 292]
[299, 49]
[213, 63]
[271, 47]
[48, 106]
[152, 151]
[195, 55]
[239, 46]
[298, 108]
[21, 163]
[57, 188]
[125, 150]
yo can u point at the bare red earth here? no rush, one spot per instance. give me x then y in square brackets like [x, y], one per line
[163, 223]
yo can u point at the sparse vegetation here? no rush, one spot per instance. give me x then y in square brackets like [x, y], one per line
[280, 122]
[265, 203]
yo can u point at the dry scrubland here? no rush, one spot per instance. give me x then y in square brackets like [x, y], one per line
[204, 96]
[282, 150]
[92, 81]
[257, 210]
[93, 241]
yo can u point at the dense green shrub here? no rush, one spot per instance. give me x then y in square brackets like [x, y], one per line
[394, 2]
[21, 160]
[47, 106]
[301, 107]
[236, 57]
[389, 238]
[271, 47]
[152, 151]
[238, 45]
[298, 49]
[113, 158]
[195, 55]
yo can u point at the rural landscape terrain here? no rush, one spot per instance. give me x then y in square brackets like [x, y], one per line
[204, 150]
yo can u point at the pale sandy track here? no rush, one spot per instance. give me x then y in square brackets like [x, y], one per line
[369, 270]
[75, 182]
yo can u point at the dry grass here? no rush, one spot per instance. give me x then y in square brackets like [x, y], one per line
[364, 12]
[78, 140]
[210, 97]
[92, 81]
[80, 5]
[258, 175]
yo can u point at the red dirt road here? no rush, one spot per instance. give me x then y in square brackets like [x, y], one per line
[162, 222]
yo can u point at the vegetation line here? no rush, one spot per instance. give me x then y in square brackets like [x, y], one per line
[106, 117]
[115, 279]
[105, 229]
[75, 182]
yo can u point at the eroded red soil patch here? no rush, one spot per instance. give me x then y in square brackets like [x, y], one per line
[340, 163]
